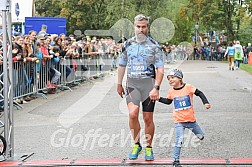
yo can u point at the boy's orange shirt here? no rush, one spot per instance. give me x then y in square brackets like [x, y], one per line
[183, 103]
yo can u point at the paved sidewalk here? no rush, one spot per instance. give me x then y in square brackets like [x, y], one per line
[91, 122]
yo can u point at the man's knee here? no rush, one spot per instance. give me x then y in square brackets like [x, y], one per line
[133, 111]
[148, 118]
[133, 115]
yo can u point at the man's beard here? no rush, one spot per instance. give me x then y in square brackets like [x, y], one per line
[140, 37]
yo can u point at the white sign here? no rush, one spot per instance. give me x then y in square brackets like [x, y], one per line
[21, 9]
[3, 4]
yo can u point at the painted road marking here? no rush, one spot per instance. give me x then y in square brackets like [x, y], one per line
[123, 162]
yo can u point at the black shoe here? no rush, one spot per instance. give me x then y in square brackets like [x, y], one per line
[33, 97]
[176, 164]
[42, 91]
[27, 98]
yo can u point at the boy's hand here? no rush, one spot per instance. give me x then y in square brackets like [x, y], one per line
[207, 106]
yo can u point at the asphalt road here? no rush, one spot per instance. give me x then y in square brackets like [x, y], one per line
[91, 122]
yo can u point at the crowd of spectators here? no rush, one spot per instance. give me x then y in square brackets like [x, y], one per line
[35, 53]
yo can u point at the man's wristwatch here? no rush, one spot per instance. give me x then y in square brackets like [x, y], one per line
[156, 87]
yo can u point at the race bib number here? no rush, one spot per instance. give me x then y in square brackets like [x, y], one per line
[137, 67]
[182, 102]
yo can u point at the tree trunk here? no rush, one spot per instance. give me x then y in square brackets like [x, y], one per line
[228, 10]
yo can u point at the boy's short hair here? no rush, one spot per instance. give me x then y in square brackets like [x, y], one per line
[55, 49]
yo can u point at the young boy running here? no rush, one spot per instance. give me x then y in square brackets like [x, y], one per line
[183, 114]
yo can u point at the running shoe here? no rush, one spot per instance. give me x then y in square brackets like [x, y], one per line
[149, 154]
[176, 164]
[136, 150]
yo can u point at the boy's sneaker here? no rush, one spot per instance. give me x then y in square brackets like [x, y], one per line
[135, 151]
[176, 164]
[149, 154]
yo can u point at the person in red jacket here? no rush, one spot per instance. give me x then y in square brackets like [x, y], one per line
[183, 114]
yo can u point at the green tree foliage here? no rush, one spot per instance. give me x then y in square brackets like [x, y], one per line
[221, 15]
[119, 9]
[232, 16]
[103, 14]
[47, 8]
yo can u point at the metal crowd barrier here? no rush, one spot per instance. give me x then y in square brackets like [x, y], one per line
[35, 78]
[1, 89]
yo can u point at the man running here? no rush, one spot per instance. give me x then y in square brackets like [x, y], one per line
[143, 58]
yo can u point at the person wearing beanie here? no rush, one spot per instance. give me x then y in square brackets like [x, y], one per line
[181, 94]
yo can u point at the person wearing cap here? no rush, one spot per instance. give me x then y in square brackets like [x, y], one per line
[142, 56]
[181, 95]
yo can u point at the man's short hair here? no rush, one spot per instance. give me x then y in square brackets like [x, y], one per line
[31, 31]
[44, 27]
[141, 17]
